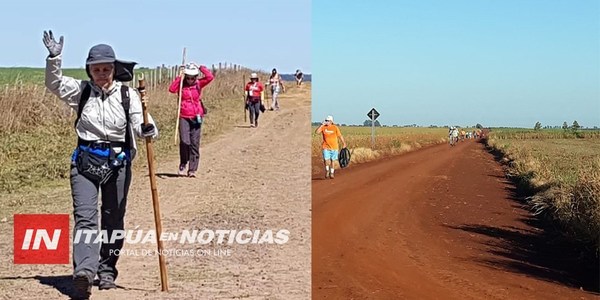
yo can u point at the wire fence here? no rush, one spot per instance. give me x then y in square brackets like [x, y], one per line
[163, 74]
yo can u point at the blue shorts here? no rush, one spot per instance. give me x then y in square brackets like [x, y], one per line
[330, 154]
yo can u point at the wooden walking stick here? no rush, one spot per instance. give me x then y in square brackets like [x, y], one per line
[179, 100]
[265, 95]
[152, 173]
[244, 96]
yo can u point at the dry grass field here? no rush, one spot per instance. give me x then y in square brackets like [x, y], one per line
[388, 141]
[561, 171]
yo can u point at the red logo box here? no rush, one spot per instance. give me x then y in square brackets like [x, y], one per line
[41, 239]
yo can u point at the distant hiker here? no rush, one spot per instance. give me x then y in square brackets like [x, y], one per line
[330, 133]
[109, 113]
[299, 77]
[191, 114]
[253, 89]
[277, 86]
[453, 136]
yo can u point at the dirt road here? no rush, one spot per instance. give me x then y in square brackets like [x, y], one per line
[438, 223]
[255, 179]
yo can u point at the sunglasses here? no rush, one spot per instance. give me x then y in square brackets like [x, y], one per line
[190, 78]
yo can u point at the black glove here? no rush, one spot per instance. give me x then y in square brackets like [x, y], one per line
[55, 48]
[148, 130]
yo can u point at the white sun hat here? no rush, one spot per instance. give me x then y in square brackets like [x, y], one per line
[253, 75]
[191, 69]
[329, 118]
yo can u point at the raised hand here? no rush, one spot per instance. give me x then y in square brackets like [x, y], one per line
[55, 48]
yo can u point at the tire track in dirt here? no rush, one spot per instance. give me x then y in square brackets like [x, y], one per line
[249, 178]
[438, 223]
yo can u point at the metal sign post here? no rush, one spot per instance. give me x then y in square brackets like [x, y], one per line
[372, 132]
[373, 114]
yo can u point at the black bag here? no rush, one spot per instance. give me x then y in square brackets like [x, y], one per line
[94, 167]
[201, 103]
[344, 158]
[204, 107]
[262, 108]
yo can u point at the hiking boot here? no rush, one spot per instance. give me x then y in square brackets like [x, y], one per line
[192, 174]
[252, 126]
[107, 282]
[327, 175]
[181, 171]
[82, 285]
[331, 175]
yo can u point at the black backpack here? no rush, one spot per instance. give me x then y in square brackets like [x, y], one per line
[125, 101]
[344, 158]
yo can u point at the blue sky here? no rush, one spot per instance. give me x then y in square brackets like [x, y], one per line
[260, 34]
[498, 63]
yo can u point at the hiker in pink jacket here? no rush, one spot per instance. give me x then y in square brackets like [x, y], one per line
[191, 113]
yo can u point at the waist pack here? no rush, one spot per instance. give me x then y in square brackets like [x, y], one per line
[344, 158]
[98, 164]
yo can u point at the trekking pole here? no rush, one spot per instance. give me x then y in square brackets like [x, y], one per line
[152, 173]
[244, 95]
[179, 100]
[266, 96]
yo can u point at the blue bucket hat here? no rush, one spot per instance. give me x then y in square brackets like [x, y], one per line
[101, 54]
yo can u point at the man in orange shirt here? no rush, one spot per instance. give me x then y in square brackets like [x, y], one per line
[331, 133]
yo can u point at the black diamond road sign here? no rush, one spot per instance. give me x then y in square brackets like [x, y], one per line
[373, 114]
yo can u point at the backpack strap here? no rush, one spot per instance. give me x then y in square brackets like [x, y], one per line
[85, 95]
[200, 98]
[126, 101]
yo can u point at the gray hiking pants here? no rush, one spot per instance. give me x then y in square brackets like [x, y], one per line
[98, 258]
[254, 109]
[189, 143]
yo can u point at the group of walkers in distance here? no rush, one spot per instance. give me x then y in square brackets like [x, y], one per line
[254, 94]
[455, 135]
[109, 115]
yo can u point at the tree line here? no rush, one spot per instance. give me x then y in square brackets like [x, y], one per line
[574, 127]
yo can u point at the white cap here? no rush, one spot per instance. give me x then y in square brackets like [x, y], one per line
[191, 69]
[329, 118]
[253, 75]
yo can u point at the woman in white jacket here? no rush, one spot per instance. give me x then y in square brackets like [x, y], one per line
[109, 113]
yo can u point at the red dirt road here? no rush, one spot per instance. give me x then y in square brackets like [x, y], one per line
[438, 223]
